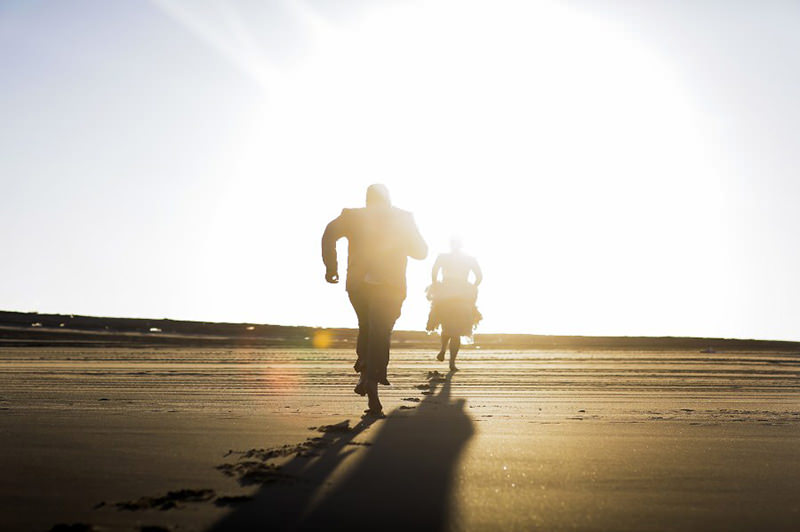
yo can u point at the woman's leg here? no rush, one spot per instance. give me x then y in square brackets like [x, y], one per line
[455, 344]
[440, 356]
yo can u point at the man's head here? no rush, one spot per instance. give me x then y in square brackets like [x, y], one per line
[455, 243]
[378, 196]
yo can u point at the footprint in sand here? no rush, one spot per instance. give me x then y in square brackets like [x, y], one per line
[436, 377]
[166, 502]
[73, 527]
[232, 500]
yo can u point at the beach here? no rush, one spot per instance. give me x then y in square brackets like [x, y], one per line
[247, 438]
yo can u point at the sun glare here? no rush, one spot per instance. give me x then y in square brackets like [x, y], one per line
[540, 134]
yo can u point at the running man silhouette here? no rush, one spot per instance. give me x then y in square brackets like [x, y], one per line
[380, 240]
[453, 299]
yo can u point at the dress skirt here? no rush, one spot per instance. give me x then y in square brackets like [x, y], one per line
[453, 308]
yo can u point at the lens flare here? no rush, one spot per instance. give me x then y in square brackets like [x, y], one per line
[322, 339]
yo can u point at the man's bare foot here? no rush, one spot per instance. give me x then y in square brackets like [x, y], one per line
[370, 413]
[373, 403]
[359, 390]
[361, 387]
[440, 356]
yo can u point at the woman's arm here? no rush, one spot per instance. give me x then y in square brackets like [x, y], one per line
[437, 265]
[477, 271]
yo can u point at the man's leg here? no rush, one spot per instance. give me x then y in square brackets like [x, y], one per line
[384, 310]
[361, 306]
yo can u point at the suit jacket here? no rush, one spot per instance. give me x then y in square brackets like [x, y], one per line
[380, 240]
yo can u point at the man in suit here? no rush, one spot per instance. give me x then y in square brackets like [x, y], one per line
[380, 240]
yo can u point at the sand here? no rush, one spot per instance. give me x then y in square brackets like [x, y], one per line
[238, 439]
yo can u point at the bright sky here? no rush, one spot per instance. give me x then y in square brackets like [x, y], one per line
[624, 170]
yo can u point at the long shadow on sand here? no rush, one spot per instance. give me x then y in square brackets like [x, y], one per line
[403, 481]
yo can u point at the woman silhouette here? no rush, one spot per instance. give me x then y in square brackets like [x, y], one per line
[453, 299]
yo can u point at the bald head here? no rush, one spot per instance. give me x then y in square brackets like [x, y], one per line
[378, 196]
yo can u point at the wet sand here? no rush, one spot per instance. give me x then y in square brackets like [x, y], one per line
[236, 439]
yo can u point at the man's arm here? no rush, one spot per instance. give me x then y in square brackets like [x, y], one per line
[418, 249]
[333, 232]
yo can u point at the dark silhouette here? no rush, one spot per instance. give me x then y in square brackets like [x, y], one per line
[453, 299]
[404, 481]
[380, 240]
[279, 505]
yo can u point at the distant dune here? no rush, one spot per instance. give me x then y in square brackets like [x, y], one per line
[33, 329]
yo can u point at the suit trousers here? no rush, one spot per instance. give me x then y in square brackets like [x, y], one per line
[377, 308]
